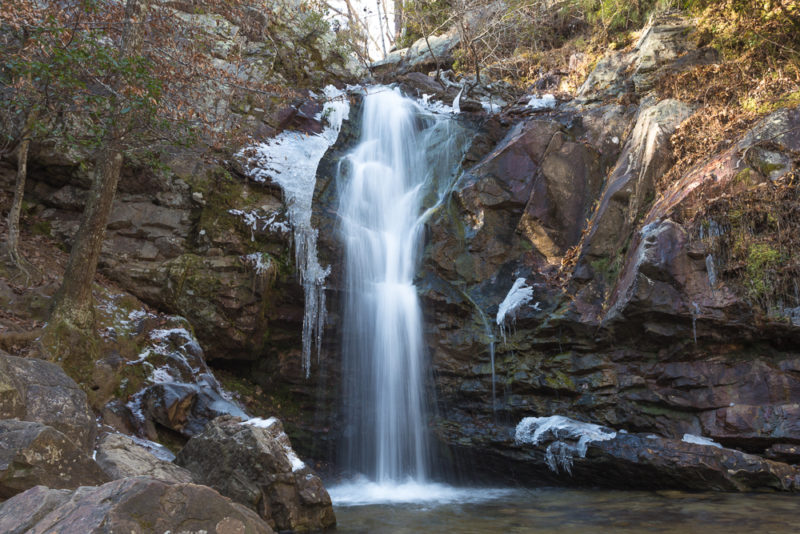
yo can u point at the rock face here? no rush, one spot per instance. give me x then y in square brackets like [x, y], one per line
[33, 454]
[35, 390]
[653, 309]
[137, 505]
[253, 464]
[121, 457]
[184, 239]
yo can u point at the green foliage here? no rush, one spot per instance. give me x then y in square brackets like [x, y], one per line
[614, 16]
[73, 80]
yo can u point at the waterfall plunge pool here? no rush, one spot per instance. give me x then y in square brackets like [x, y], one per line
[367, 508]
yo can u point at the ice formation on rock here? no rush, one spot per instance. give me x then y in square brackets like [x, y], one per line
[291, 160]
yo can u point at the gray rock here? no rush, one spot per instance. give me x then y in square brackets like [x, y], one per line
[254, 464]
[631, 185]
[121, 457]
[36, 390]
[137, 505]
[21, 513]
[33, 454]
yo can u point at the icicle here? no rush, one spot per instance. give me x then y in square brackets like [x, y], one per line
[291, 160]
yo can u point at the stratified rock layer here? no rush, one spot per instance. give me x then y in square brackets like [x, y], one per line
[638, 319]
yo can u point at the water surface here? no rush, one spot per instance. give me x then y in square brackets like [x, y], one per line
[562, 511]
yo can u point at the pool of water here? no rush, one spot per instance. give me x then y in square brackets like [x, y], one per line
[443, 509]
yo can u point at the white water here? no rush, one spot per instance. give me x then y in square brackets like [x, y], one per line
[361, 491]
[405, 153]
[379, 209]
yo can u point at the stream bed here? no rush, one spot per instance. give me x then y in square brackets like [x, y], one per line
[565, 511]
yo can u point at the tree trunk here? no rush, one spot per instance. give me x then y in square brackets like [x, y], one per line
[12, 240]
[398, 20]
[73, 303]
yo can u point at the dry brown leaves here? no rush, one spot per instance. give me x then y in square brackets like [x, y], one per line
[731, 96]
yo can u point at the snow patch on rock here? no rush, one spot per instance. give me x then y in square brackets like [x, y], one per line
[700, 440]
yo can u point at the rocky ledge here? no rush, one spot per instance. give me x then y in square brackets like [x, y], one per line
[562, 451]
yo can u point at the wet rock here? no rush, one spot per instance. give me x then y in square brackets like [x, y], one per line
[33, 454]
[253, 463]
[418, 84]
[751, 425]
[36, 390]
[138, 504]
[585, 453]
[784, 452]
[121, 457]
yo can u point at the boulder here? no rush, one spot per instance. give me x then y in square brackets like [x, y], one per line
[253, 463]
[561, 196]
[32, 454]
[222, 297]
[664, 46]
[418, 57]
[36, 390]
[184, 408]
[120, 457]
[136, 505]
[21, 513]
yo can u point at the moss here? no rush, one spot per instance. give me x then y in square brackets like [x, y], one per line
[41, 227]
[743, 177]
[766, 168]
[559, 380]
[607, 268]
[761, 259]
[75, 350]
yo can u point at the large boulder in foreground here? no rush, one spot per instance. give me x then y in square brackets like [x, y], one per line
[584, 453]
[32, 454]
[133, 505]
[253, 463]
[120, 457]
[36, 390]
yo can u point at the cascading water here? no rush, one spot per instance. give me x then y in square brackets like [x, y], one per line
[383, 182]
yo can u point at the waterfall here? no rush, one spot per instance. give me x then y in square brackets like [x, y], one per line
[383, 183]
